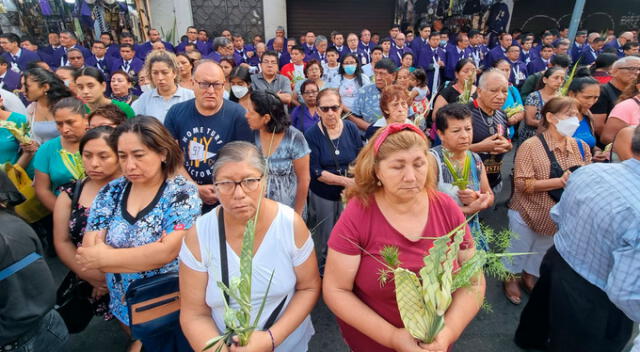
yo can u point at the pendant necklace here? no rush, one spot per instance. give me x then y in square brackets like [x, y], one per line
[488, 121]
[335, 146]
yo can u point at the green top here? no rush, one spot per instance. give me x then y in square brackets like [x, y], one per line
[126, 108]
[411, 69]
[9, 145]
[49, 161]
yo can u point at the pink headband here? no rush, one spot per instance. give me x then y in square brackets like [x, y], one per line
[394, 128]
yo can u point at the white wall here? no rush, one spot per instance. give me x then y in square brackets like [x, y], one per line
[509, 4]
[275, 14]
[163, 13]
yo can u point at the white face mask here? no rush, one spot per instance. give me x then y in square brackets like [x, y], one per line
[568, 126]
[239, 91]
[145, 87]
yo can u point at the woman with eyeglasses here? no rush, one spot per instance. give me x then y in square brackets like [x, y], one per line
[313, 71]
[305, 116]
[283, 248]
[284, 147]
[394, 107]
[334, 144]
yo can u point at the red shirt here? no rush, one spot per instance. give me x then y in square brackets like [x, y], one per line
[602, 77]
[368, 227]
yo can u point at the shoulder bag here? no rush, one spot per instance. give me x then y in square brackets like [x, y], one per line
[224, 272]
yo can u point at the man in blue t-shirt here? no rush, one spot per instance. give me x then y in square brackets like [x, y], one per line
[204, 124]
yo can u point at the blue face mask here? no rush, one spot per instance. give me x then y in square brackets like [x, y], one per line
[443, 42]
[349, 69]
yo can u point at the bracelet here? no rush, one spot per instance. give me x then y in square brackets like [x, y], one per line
[273, 341]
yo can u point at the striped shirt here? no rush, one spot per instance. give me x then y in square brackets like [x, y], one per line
[599, 230]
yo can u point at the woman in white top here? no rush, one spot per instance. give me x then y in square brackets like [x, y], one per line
[163, 69]
[349, 80]
[283, 246]
[43, 89]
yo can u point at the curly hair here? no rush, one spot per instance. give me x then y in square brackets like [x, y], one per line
[167, 58]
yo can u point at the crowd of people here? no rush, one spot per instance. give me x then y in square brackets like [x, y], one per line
[149, 160]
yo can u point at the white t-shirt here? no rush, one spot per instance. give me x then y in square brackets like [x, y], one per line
[277, 254]
[12, 103]
[330, 73]
[298, 73]
[348, 88]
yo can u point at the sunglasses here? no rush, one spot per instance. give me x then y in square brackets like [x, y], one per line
[333, 108]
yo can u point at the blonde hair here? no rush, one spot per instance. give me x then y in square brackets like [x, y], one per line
[367, 162]
[162, 56]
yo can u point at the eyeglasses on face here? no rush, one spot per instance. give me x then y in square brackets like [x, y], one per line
[310, 92]
[333, 108]
[205, 85]
[248, 185]
[630, 68]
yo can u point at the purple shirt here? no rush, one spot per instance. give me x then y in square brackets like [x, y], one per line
[302, 119]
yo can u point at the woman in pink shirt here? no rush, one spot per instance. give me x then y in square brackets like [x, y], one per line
[394, 202]
[625, 113]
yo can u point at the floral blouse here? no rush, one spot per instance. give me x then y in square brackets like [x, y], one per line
[175, 207]
[78, 216]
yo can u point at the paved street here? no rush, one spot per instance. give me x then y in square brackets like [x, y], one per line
[492, 330]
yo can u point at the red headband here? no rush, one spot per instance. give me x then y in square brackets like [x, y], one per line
[394, 128]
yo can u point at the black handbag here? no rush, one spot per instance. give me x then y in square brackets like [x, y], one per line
[73, 303]
[154, 305]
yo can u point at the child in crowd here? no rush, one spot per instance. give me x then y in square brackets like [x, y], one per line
[419, 91]
[332, 66]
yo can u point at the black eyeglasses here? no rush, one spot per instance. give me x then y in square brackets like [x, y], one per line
[248, 185]
[205, 85]
[333, 108]
[310, 92]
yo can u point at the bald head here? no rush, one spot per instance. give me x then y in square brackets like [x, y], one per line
[208, 67]
[278, 44]
[625, 37]
[593, 36]
[209, 86]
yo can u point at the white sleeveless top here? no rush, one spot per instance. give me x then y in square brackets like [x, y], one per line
[277, 253]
